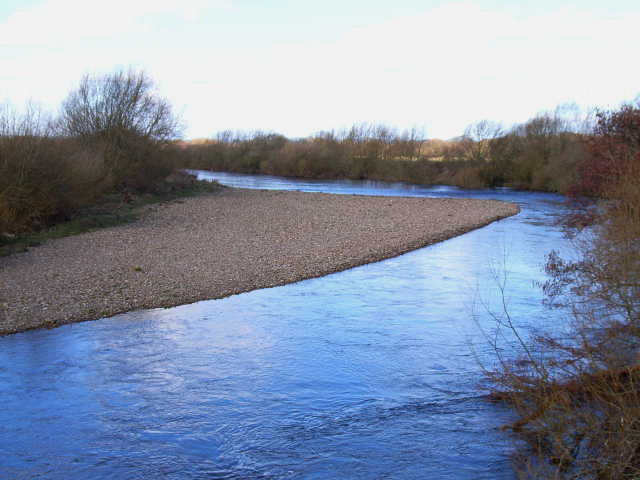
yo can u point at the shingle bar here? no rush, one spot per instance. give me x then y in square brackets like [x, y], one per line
[218, 245]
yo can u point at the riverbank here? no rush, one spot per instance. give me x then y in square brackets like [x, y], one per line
[218, 245]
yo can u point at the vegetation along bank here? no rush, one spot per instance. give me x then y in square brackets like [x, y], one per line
[116, 142]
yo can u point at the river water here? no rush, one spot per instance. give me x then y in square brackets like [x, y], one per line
[370, 373]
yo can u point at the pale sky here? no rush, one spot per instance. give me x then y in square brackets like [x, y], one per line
[298, 67]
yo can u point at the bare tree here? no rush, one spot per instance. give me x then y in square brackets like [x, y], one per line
[477, 139]
[122, 117]
[108, 105]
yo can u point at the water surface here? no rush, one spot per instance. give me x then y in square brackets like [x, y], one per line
[369, 373]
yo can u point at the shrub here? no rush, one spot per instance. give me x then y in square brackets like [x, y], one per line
[614, 146]
[577, 391]
[41, 176]
[121, 115]
[468, 177]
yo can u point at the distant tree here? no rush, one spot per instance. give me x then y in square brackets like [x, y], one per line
[477, 138]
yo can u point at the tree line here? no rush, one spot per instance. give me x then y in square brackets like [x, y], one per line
[539, 154]
[116, 133]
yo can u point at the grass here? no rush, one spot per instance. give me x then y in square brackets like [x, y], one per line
[110, 211]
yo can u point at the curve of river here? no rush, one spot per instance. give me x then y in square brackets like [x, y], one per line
[369, 373]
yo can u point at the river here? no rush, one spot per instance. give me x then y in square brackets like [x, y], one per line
[370, 373]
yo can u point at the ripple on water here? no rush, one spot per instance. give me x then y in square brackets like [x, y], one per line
[368, 373]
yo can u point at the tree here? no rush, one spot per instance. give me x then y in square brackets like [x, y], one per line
[122, 116]
[614, 151]
[477, 140]
[576, 389]
[104, 106]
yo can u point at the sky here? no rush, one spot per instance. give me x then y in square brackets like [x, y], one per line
[299, 67]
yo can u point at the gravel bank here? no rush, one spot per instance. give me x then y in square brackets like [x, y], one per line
[218, 245]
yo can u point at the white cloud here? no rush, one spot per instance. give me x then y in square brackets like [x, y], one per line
[444, 68]
[54, 21]
[461, 63]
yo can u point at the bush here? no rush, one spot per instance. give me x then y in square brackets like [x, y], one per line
[578, 392]
[614, 146]
[540, 154]
[468, 177]
[122, 116]
[114, 133]
[41, 177]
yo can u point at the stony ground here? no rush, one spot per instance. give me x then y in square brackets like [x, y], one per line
[218, 245]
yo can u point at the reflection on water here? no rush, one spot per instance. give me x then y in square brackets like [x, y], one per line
[368, 373]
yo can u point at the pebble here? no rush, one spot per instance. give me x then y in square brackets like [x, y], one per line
[221, 244]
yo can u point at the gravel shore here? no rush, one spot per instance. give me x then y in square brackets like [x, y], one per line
[221, 244]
